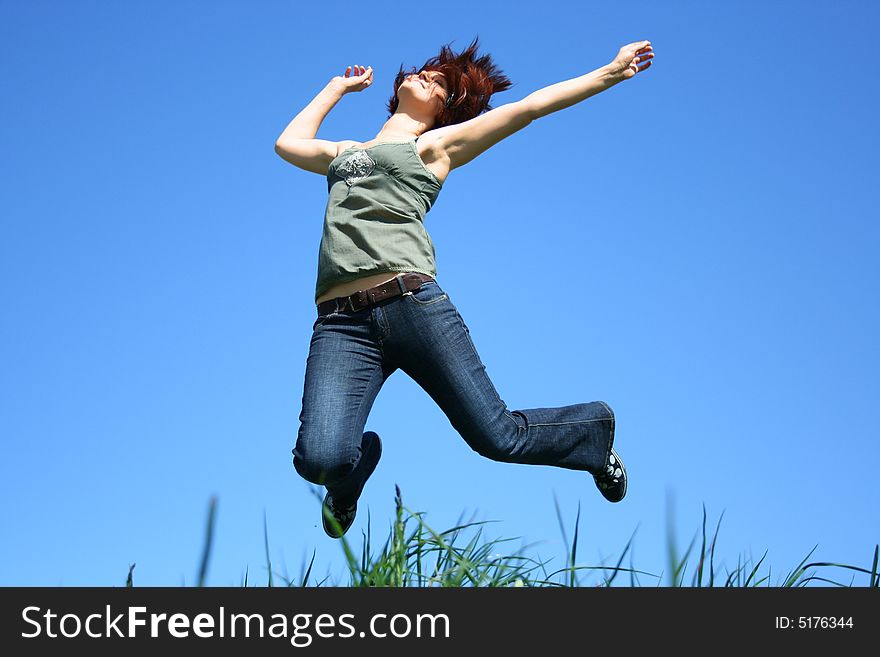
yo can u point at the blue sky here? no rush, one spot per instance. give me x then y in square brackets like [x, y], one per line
[709, 228]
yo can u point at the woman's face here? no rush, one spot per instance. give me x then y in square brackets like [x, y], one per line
[430, 87]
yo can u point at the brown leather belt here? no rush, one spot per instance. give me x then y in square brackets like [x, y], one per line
[361, 299]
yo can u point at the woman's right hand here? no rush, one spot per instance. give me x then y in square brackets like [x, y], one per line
[360, 80]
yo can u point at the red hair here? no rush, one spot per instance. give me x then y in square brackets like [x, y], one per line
[472, 80]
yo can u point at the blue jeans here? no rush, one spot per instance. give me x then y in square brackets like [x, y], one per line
[352, 353]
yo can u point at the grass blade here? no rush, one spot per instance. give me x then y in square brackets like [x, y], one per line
[209, 538]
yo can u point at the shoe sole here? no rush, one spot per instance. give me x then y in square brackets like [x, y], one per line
[625, 479]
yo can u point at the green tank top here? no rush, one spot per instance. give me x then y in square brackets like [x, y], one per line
[374, 221]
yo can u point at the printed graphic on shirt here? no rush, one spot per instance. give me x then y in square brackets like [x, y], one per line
[355, 167]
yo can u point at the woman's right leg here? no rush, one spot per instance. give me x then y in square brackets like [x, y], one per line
[344, 373]
[431, 343]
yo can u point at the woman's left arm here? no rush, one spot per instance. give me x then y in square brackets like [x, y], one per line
[464, 141]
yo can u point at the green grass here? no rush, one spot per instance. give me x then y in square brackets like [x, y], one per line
[414, 554]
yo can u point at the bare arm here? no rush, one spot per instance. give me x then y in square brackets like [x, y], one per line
[297, 144]
[464, 141]
[631, 59]
[305, 124]
[570, 92]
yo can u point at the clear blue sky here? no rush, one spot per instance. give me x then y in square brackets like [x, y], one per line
[710, 228]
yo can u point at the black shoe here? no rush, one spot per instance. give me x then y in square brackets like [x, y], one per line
[345, 515]
[612, 481]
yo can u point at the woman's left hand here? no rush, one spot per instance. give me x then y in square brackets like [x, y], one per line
[632, 58]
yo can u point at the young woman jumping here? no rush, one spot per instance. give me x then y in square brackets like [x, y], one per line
[379, 306]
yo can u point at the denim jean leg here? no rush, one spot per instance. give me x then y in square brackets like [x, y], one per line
[432, 344]
[577, 436]
[344, 373]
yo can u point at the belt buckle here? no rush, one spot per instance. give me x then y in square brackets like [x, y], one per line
[404, 291]
[352, 306]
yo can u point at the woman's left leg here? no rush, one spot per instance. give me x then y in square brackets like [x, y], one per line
[429, 341]
[344, 374]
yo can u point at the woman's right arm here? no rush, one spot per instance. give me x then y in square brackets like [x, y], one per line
[297, 144]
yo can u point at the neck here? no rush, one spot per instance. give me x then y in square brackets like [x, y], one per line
[402, 125]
